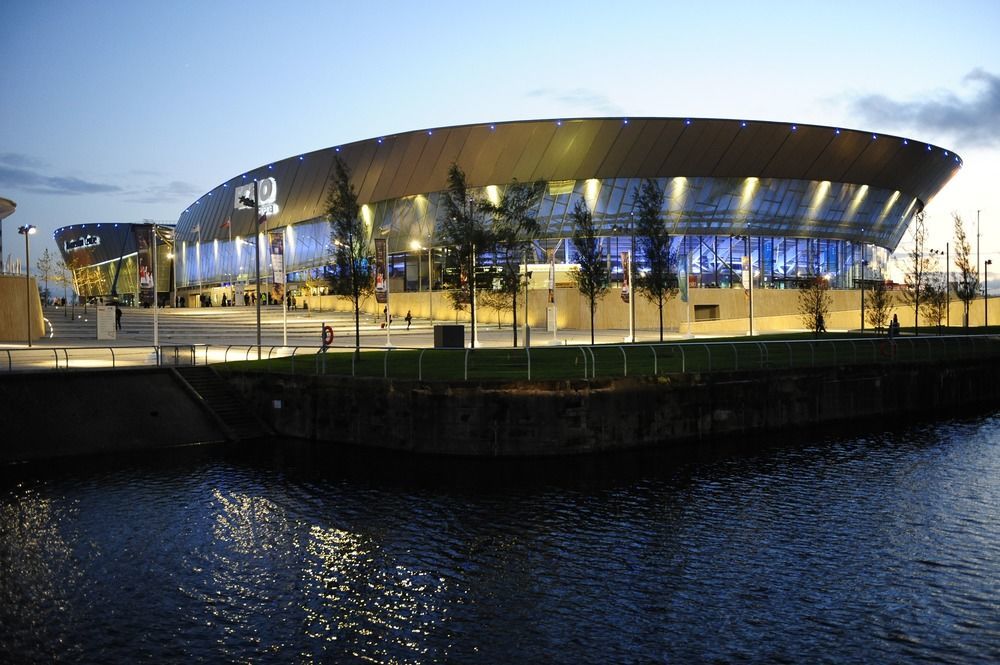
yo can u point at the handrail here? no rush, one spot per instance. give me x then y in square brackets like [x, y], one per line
[527, 354]
[624, 361]
[584, 354]
[420, 365]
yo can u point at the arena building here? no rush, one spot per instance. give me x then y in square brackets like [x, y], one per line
[800, 200]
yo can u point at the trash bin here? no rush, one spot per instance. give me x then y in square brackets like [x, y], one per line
[449, 336]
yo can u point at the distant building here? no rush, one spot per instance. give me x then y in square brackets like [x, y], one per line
[106, 261]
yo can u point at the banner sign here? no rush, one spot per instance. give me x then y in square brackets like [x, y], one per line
[147, 282]
[626, 271]
[277, 243]
[682, 280]
[381, 271]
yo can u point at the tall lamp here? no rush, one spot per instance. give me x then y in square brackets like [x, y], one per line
[986, 292]
[27, 230]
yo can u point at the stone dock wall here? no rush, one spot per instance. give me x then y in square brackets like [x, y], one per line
[579, 416]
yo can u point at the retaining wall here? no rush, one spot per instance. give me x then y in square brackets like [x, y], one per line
[554, 418]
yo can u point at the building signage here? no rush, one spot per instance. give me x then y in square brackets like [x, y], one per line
[277, 242]
[626, 274]
[381, 275]
[267, 191]
[82, 243]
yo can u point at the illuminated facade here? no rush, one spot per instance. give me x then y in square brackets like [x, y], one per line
[802, 200]
[104, 258]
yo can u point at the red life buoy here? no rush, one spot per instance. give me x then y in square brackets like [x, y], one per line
[327, 335]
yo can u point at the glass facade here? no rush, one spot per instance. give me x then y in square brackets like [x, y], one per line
[791, 229]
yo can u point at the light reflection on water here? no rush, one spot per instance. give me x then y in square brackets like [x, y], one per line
[881, 547]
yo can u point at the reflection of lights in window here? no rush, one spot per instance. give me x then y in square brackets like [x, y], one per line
[819, 197]
[888, 206]
[493, 194]
[749, 188]
[591, 188]
[856, 202]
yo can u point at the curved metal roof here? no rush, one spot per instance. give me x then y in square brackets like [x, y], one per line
[410, 163]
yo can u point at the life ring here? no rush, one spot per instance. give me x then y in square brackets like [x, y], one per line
[327, 335]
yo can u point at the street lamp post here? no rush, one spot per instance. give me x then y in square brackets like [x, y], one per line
[27, 230]
[864, 264]
[986, 292]
[256, 216]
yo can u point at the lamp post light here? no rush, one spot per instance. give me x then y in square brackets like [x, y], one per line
[986, 292]
[256, 217]
[27, 230]
[864, 264]
[947, 280]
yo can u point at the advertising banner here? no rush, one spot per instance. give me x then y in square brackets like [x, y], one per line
[626, 285]
[143, 243]
[106, 328]
[277, 243]
[381, 271]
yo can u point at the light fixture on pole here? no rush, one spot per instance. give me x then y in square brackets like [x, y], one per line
[986, 291]
[173, 277]
[864, 264]
[27, 230]
[256, 220]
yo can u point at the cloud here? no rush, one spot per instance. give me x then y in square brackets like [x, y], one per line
[21, 161]
[30, 181]
[973, 122]
[579, 98]
[175, 190]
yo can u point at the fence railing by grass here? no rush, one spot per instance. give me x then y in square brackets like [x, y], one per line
[618, 360]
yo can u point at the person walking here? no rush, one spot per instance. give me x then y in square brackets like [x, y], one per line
[118, 317]
[409, 319]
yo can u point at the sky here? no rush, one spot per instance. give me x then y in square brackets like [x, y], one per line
[119, 111]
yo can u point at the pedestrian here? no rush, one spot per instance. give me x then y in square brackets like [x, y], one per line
[409, 319]
[894, 327]
[820, 324]
[118, 317]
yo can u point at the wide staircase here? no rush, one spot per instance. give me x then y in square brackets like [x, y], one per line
[237, 421]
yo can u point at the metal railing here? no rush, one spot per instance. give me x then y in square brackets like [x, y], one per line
[532, 364]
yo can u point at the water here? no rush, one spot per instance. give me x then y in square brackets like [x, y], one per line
[876, 548]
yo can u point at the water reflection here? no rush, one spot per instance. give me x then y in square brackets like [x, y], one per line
[877, 547]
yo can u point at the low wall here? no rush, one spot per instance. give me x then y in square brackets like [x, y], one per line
[54, 414]
[13, 310]
[589, 416]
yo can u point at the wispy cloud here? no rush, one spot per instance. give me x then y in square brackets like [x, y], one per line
[175, 190]
[21, 161]
[972, 122]
[582, 99]
[32, 181]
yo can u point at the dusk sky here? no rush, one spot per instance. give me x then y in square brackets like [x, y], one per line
[123, 111]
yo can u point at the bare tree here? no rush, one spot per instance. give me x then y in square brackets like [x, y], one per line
[967, 284]
[659, 283]
[591, 276]
[352, 267]
[878, 306]
[44, 267]
[461, 225]
[514, 227]
[814, 304]
[935, 303]
[918, 267]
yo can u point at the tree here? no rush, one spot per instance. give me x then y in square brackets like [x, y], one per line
[514, 227]
[918, 267]
[935, 303]
[44, 267]
[967, 285]
[878, 306]
[461, 225]
[591, 276]
[814, 304]
[659, 283]
[352, 268]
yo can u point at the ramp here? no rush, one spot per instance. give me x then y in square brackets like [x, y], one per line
[237, 419]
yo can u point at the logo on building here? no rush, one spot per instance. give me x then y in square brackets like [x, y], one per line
[82, 242]
[267, 191]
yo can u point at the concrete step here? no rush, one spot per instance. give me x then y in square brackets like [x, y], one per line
[239, 421]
